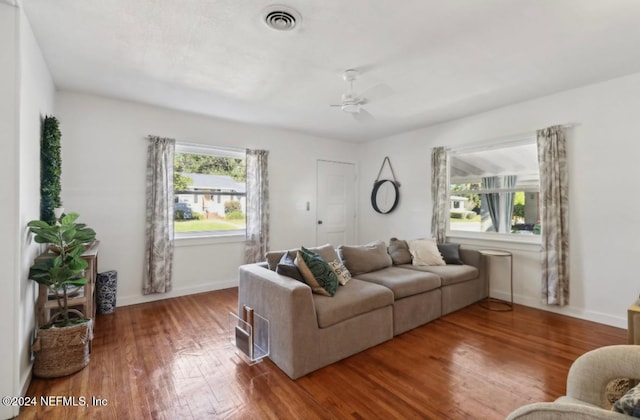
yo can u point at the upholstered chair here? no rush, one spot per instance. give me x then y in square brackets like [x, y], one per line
[588, 385]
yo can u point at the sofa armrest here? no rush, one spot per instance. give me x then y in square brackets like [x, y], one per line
[288, 306]
[559, 411]
[591, 372]
[471, 257]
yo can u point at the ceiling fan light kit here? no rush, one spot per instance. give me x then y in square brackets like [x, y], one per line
[350, 75]
[351, 108]
[352, 103]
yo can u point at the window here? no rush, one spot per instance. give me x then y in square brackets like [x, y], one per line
[495, 189]
[209, 191]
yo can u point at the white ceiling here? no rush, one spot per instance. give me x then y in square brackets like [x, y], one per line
[427, 60]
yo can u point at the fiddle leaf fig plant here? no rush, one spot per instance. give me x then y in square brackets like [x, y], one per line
[65, 270]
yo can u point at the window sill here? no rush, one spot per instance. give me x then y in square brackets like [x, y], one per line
[198, 239]
[513, 241]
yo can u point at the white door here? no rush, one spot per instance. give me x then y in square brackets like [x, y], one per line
[336, 203]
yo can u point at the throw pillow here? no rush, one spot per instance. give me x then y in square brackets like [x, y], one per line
[361, 259]
[287, 266]
[616, 388]
[341, 271]
[399, 251]
[629, 404]
[328, 252]
[316, 272]
[450, 253]
[425, 252]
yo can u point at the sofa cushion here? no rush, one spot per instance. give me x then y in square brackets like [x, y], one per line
[450, 274]
[365, 258]
[287, 266]
[353, 299]
[450, 253]
[403, 282]
[399, 251]
[327, 252]
[341, 271]
[316, 272]
[425, 252]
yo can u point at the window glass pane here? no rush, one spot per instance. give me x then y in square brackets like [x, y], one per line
[495, 190]
[210, 194]
[519, 160]
[467, 214]
[526, 213]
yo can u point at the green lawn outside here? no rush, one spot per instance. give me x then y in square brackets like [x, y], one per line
[205, 225]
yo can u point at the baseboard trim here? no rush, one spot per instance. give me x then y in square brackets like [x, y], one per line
[136, 299]
[26, 381]
[599, 317]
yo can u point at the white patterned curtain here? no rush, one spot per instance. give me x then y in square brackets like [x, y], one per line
[159, 226]
[439, 193]
[552, 160]
[492, 201]
[257, 240]
[509, 182]
[499, 205]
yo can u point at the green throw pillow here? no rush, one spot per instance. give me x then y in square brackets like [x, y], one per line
[316, 272]
[629, 404]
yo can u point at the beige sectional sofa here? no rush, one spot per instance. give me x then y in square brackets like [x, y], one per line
[309, 331]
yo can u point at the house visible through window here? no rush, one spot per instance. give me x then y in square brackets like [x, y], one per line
[495, 189]
[209, 191]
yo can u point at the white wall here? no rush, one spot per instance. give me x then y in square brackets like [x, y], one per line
[9, 256]
[604, 221]
[103, 179]
[36, 101]
[26, 93]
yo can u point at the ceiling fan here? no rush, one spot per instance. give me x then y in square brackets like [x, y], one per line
[351, 102]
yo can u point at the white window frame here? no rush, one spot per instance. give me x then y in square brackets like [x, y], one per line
[212, 236]
[490, 236]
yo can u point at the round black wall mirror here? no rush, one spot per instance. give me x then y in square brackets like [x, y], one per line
[385, 196]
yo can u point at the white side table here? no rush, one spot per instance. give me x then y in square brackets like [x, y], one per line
[490, 303]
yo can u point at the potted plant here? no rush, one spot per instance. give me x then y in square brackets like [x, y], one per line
[62, 346]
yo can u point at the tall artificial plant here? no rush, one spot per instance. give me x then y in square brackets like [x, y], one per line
[50, 169]
[66, 269]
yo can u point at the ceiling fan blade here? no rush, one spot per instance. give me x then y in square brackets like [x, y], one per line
[363, 116]
[377, 92]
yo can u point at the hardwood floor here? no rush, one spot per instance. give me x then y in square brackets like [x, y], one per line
[173, 360]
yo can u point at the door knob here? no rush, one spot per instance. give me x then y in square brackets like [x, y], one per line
[319, 222]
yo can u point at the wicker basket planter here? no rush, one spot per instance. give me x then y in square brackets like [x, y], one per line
[62, 351]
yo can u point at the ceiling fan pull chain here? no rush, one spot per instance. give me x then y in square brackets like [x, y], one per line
[387, 160]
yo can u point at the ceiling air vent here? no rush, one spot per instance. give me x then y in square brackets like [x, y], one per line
[281, 18]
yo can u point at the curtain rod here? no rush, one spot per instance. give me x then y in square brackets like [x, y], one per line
[200, 145]
[209, 146]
